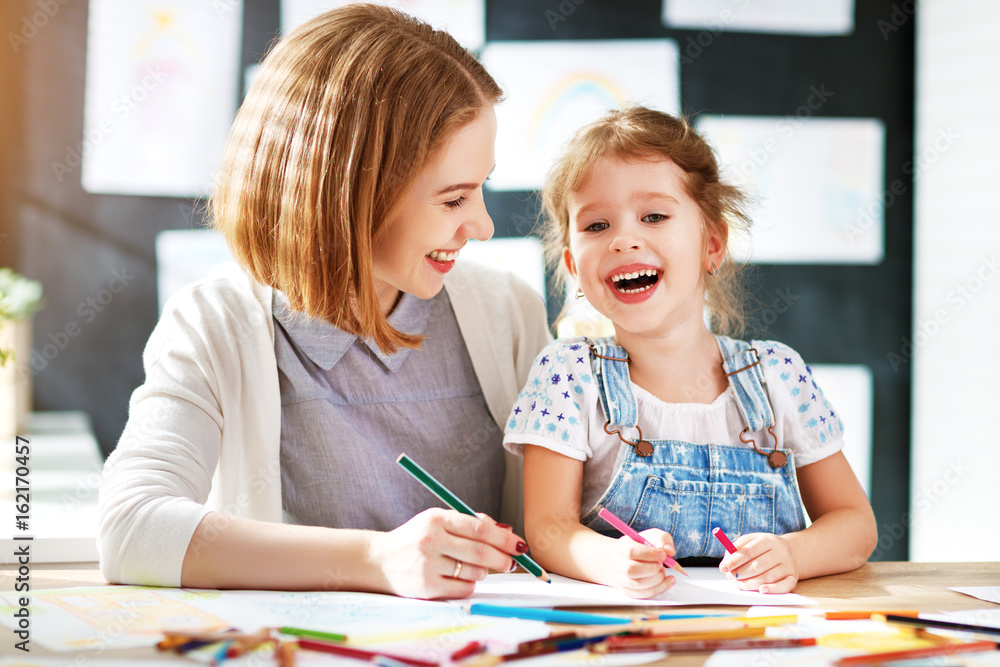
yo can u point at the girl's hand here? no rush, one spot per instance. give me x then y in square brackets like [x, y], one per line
[420, 558]
[762, 562]
[638, 569]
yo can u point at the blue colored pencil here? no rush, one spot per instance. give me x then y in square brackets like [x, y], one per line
[547, 615]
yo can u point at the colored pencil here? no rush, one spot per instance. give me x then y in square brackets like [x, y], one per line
[361, 654]
[943, 625]
[913, 654]
[548, 615]
[314, 634]
[864, 615]
[467, 651]
[627, 530]
[682, 646]
[726, 542]
[676, 617]
[456, 503]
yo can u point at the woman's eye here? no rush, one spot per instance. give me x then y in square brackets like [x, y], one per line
[596, 227]
[654, 217]
[456, 203]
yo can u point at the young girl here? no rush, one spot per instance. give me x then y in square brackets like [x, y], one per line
[260, 452]
[671, 428]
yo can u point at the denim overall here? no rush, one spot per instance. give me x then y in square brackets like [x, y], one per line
[688, 489]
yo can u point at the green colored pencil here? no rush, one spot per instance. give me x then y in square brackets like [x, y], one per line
[315, 634]
[456, 503]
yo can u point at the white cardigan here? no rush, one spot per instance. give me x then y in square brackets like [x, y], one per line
[203, 431]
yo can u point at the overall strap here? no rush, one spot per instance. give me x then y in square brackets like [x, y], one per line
[610, 363]
[741, 363]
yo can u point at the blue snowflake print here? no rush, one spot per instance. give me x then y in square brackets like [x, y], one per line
[796, 391]
[551, 428]
[536, 426]
[803, 407]
[565, 436]
[573, 420]
[512, 423]
[772, 362]
[822, 437]
[544, 360]
[811, 423]
[785, 376]
[578, 389]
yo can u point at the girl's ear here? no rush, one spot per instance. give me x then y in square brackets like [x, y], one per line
[569, 262]
[715, 245]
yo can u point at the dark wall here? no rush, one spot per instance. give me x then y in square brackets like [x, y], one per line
[94, 253]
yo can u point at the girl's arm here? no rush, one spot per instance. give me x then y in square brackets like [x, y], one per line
[561, 544]
[415, 560]
[842, 536]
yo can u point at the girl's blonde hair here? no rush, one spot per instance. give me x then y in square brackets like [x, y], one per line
[342, 114]
[638, 133]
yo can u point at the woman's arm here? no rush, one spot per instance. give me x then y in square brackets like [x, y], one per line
[417, 559]
[561, 544]
[842, 536]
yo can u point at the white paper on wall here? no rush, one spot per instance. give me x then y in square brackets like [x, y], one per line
[553, 88]
[464, 19]
[161, 91]
[805, 17]
[817, 182]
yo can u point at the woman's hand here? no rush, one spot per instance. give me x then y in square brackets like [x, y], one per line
[420, 559]
[637, 569]
[762, 562]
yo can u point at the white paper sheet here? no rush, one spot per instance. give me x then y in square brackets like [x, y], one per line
[117, 617]
[819, 183]
[705, 586]
[553, 88]
[161, 90]
[806, 17]
[987, 593]
[464, 19]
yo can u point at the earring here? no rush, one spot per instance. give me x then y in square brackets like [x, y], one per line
[715, 270]
[579, 293]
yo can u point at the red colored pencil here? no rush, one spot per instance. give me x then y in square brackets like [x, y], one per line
[890, 656]
[361, 654]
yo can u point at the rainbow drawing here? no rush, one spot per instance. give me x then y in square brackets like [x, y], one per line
[578, 87]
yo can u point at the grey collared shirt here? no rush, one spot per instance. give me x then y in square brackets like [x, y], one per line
[348, 411]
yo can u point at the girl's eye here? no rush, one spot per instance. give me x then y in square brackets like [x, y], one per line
[654, 217]
[456, 203]
[596, 227]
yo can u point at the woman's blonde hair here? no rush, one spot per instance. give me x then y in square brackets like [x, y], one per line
[638, 133]
[342, 114]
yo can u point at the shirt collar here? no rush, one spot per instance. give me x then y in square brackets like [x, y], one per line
[325, 344]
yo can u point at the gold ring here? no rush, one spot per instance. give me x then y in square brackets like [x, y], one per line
[458, 569]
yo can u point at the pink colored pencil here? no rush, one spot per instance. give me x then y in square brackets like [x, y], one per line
[628, 531]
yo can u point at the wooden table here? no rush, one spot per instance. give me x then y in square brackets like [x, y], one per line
[874, 586]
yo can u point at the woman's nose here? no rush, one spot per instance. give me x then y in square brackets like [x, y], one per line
[479, 225]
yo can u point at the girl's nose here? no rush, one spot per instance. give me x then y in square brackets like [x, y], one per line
[625, 242]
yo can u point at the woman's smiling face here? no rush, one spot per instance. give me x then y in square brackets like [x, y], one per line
[440, 212]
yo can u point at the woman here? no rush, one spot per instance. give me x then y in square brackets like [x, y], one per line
[260, 451]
